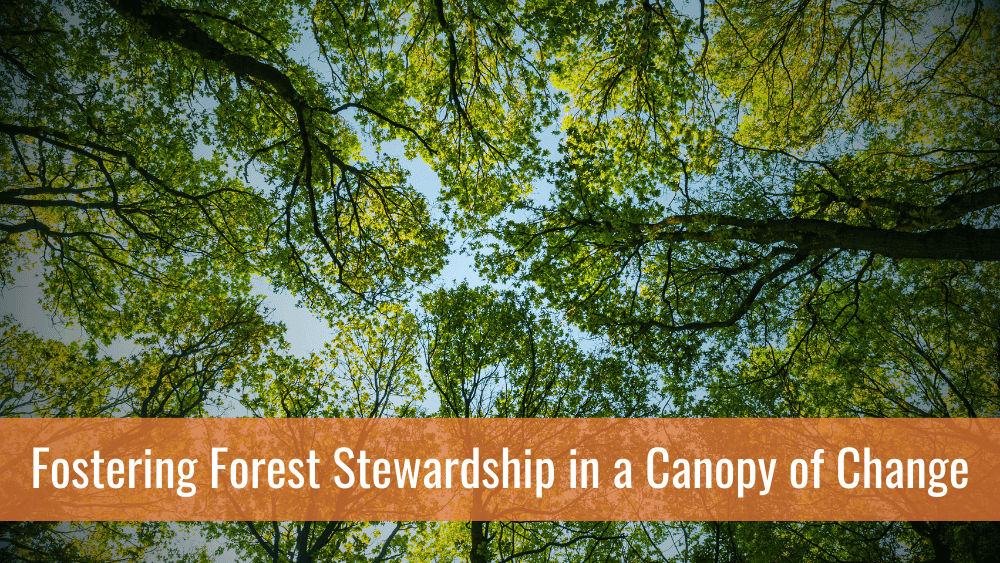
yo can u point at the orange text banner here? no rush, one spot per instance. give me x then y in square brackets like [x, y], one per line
[500, 469]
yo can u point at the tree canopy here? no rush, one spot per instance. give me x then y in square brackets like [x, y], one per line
[721, 208]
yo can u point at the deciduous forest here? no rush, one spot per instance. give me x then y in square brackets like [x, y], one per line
[725, 208]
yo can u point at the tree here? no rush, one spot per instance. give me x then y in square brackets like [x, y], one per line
[831, 231]
[92, 542]
[750, 225]
[192, 354]
[775, 209]
[496, 354]
[367, 371]
[831, 237]
[105, 157]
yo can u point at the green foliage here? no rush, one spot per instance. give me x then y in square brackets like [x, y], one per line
[93, 542]
[495, 354]
[730, 208]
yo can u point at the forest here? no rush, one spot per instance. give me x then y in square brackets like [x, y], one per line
[723, 208]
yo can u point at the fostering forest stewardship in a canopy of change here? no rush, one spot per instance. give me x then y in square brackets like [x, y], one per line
[408, 472]
[730, 208]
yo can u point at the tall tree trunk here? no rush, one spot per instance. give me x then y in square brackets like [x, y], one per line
[479, 552]
[933, 532]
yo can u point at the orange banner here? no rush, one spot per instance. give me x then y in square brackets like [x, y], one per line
[500, 469]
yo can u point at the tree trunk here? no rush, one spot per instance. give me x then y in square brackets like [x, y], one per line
[479, 552]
